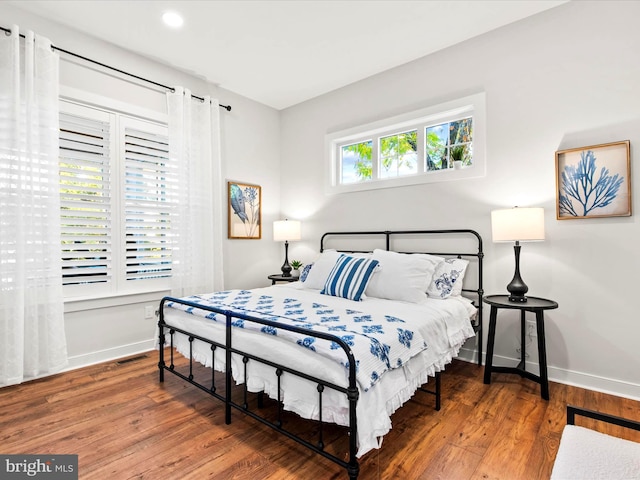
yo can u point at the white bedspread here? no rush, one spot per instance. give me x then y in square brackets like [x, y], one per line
[444, 325]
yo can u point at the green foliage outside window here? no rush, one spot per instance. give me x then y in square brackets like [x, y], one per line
[445, 143]
[363, 165]
[396, 151]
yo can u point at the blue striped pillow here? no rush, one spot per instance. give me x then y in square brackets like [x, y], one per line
[349, 277]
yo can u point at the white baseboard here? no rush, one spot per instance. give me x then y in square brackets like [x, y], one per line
[620, 388]
[609, 386]
[84, 360]
[469, 355]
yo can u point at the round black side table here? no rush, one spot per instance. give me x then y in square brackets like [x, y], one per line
[535, 305]
[279, 278]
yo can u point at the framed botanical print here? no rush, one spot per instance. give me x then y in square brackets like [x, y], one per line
[593, 182]
[244, 214]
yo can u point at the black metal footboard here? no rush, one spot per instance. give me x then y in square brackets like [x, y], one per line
[351, 392]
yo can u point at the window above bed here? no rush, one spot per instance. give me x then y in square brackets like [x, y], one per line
[438, 143]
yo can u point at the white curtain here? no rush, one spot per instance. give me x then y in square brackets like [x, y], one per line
[196, 226]
[32, 337]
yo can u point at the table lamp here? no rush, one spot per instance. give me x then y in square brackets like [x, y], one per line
[284, 231]
[517, 225]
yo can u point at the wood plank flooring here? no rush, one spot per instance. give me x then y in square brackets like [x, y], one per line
[124, 424]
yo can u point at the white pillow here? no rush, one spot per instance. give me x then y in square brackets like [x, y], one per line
[402, 276]
[322, 266]
[447, 281]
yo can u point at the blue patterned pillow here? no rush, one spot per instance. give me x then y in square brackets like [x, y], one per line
[349, 277]
[447, 280]
[305, 272]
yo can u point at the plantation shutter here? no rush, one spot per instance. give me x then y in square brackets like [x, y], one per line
[150, 182]
[85, 197]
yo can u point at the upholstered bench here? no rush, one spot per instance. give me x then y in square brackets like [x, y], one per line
[586, 454]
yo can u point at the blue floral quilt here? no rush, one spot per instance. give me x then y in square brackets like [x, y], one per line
[379, 342]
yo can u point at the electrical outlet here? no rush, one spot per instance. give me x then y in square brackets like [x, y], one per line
[529, 336]
[148, 311]
[531, 329]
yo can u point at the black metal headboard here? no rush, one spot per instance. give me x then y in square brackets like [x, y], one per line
[420, 239]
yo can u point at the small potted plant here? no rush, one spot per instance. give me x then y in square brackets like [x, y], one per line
[295, 265]
[457, 155]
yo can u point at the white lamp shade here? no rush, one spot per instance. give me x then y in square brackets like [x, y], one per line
[517, 224]
[286, 230]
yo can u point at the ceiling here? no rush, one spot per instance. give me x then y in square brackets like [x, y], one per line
[281, 53]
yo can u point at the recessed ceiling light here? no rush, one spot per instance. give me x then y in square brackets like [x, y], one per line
[172, 19]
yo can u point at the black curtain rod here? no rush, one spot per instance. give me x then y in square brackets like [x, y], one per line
[86, 59]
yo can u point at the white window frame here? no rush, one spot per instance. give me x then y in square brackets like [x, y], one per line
[122, 114]
[472, 105]
[147, 284]
[74, 108]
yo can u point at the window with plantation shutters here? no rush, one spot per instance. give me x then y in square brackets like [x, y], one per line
[116, 188]
[86, 198]
[149, 183]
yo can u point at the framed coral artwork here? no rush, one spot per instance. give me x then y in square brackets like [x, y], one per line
[593, 182]
[244, 214]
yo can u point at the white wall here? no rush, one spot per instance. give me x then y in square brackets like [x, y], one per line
[111, 328]
[565, 78]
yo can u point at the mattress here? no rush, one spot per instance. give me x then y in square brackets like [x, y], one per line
[444, 325]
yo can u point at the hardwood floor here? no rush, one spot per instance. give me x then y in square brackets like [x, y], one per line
[124, 424]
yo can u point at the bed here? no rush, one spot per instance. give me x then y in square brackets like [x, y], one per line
[348, 344]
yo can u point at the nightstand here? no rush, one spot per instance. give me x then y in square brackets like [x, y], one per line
[535, 305]
[279, 278]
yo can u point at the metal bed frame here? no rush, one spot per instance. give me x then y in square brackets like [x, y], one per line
[351, 391]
